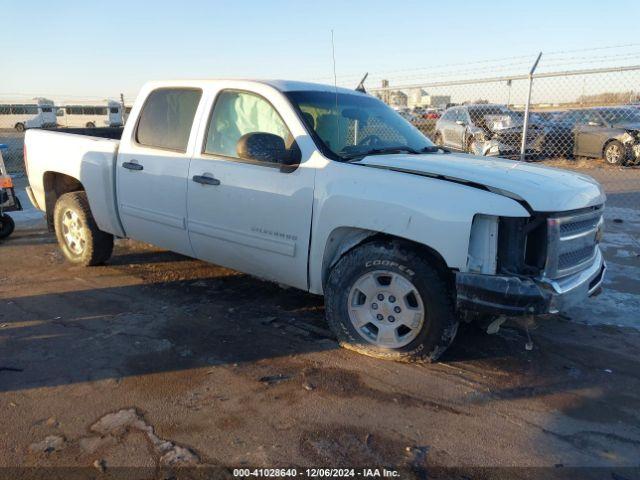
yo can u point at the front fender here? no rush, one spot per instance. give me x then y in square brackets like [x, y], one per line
[433, 212]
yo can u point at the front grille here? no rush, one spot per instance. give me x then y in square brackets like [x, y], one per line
[572, 241]
[575, 257]
[578, 226]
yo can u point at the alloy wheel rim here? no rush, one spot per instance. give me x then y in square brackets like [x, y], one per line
[613, 154]
[73, 232]
[386, 309]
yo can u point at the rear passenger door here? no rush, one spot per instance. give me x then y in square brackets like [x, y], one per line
[153, 166]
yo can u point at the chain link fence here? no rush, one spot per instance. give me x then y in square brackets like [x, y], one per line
[587, 119]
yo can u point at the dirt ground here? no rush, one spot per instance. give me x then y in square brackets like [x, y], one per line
[157, 361]
[160, 360]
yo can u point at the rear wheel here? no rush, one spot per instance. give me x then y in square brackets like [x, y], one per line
[437, 139]
[91, 125]
[19, 127]
[385, 300]
[81, 241]
[7, 226]
[614, 152]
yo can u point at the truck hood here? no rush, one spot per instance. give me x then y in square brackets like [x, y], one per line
[544, 189]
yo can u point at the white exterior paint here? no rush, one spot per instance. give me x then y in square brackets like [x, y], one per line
[288, 227]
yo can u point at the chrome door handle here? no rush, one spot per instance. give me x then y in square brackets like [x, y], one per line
[205, 180]
[132, 166]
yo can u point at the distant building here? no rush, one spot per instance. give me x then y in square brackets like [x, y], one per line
[420, 98]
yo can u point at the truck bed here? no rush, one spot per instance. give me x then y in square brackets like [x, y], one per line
[113, 133]
[87, 155]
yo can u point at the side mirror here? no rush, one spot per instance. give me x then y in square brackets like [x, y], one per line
[460, 122]
[270, 148]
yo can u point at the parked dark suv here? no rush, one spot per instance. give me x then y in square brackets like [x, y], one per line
[483, 129]
[612, 133]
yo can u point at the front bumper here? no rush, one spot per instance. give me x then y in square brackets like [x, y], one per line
[513, 296]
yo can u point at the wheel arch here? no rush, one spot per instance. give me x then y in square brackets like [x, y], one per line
[342, 240]
[55, 185]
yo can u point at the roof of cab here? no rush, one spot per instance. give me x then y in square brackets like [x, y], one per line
[281, 85]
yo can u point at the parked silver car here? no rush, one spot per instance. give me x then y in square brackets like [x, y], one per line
[485, 129]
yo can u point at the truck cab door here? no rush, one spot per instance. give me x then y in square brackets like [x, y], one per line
[250, 215]
[152, 169]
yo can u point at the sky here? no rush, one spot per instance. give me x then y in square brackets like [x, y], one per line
[98, 49]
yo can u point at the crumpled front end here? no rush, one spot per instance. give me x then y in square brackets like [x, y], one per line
[544, 264]
[507, 142]
[631, 142]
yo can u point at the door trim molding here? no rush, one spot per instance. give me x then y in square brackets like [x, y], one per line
[154, 216]
[281, 247]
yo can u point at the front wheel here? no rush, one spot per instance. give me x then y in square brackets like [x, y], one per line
[614, 152]
[91, 125]
[19, 127]
[385, 300]
[7, 226]
[438, 139]
[80, 239]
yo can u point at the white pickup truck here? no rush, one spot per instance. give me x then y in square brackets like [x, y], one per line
[330, 191]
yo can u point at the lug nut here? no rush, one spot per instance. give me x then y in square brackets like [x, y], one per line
[397, 309]
[392, 299]
[374, 306]
[380, 317]
[380, 297]
[391, 318]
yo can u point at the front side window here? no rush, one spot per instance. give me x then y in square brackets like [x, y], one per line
[100, 110]
[237, 113]
[355, 125]
[166, 118]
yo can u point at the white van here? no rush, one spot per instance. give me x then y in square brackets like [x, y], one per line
[90, 116]
[27, 115]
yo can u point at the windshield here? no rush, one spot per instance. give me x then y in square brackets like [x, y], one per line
[621, 115]
[355, 125]
[478, 114]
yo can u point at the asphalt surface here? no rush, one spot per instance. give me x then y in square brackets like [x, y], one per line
[199, 365]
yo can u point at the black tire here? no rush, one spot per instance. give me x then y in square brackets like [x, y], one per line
[19, 127]
[90, 125]
[440, 324]
[437, 139]
[96, 246]
[614, 153]
[7, 226]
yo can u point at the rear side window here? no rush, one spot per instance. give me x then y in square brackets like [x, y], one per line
[167, 117]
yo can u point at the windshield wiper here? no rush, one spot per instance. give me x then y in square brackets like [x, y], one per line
[394, 149]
